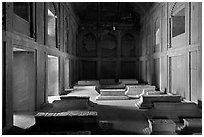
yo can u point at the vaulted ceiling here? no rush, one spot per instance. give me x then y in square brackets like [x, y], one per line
[102, 13]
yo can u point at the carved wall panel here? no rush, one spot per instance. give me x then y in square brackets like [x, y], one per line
[108, 46]
[88, 47]
[127, 45]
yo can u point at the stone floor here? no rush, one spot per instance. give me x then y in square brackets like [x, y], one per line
[114, 116]
[122, 115]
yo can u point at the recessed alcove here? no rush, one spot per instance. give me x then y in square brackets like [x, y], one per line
[88, 47]
[23, 80]
[108, 46]
[128, 45]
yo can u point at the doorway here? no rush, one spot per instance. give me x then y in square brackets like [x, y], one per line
[53, 76]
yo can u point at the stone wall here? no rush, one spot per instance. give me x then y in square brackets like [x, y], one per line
[178, 57]
[110, 52]
[32, 35]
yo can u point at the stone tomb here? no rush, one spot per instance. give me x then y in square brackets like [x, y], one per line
[111, 90]
[136, 91]
[175, 111]
[112, 94]
[158, 96]
[163, 127]
[71, 113]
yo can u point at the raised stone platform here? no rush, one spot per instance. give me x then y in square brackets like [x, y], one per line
[109, 89]
[152, 97]
[70, 103]
[175, 111]
[138, 90]
[112, 92]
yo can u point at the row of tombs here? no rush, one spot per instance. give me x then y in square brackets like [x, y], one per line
[121, 106]
[107, 106]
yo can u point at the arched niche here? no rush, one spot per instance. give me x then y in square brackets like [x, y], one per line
[66, 34]
[108, 45]
[127, 45]
[178, 25]
[88, 47]
[52, 24]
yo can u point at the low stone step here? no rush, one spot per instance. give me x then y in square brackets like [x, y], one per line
[112, 92]
[112, 97]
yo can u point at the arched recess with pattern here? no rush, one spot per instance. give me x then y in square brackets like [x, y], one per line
[52, 24]
[66, 34]
[88, 47]
[108, 45]
[127, 45]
